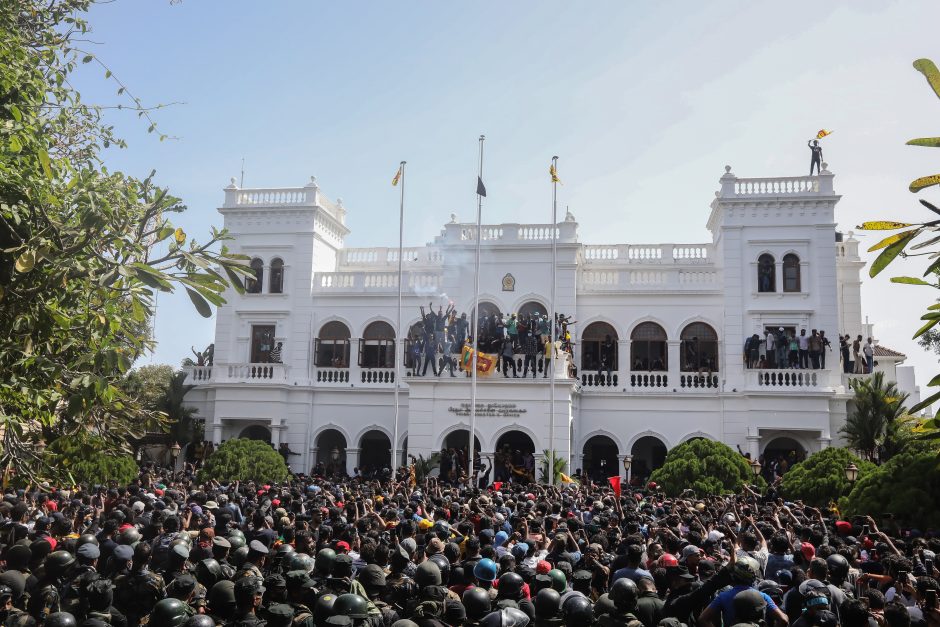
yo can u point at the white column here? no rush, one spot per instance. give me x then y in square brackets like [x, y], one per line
[216, 433]
[276, 428]
[352, 460]
[620, 458]
[778, 276]
[623, 362]
[674, 363]
[753, 446]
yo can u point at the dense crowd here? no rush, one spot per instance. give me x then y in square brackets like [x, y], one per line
[168, 551]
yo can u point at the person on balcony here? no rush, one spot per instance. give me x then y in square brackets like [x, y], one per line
[530, 349]
[275, 355]
[844, 352]
[448, 354]
[803, 344]
[430, 355]
[608, 356]
[507, 353]
[770, 348]
[869, 350]
[816, 158]
[857, 355]
[794, 346]
[459, 328]
[815, 349]
[782, 345]
[826, 346]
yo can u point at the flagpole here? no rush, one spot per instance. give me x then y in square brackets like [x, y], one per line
[476, 323]
[551, 359]
[401, 337]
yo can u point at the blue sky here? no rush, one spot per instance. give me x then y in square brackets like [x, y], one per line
[644, 103]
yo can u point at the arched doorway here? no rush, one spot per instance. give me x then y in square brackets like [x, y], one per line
[375, 453]
[514, 458]
[780, 454]
[532, 308]
[649, 453]
[454, 454]
[256, 432]
[599, 359]
[331, 453]
[600, 458]
[490, 331]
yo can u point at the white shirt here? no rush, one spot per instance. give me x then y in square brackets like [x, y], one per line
[804, 342]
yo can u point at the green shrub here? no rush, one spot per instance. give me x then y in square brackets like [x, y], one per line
[245, 460]
[90, 460]
[907, 486]
[706, 467]
[821, 477]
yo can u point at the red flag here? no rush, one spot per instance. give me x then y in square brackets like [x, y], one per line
[615, 484]
[497, 485]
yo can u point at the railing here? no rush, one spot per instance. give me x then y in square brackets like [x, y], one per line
[377, 375]
[783, 379]
[777, 186]
[256, 372]
[307, 196]
[332, 375]
[200, 374]
[600, 279]
[647, 254]
[373, 281]
[379, 257]
[272, 197]
[509, 233]
[696, 381]
[648, 380]
[594, 379]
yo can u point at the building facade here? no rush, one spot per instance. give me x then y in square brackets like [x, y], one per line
[307, 358]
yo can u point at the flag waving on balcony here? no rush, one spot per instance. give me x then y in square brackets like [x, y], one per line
[397, 177]
[486, 363]
[823, 133]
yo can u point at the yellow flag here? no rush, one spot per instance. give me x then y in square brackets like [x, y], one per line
[822, 133]
[397, 177]
[565, 478]
[554, 174]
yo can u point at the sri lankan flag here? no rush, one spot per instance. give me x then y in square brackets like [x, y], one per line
[554, 174]
[822, 133]
[397, 177]
[486, 363]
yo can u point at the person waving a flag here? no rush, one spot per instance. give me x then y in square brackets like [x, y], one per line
[814, 146]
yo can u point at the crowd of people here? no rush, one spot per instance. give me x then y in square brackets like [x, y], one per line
[520, 343]
[782, 348]
[169, 551]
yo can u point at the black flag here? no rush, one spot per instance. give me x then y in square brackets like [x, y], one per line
[481, 190]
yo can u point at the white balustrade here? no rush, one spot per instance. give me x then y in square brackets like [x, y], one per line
[373, 281]
[537, 232]
[601, 253]
[647, 277]
[647, 254]
[777, 186]
[698, 277]
[377, 375]
[648, 380]
[272, 197]
[789, 379]
[199, 374]
[256, 372]
[689, 253]
[332, 375]
[594, 279]
[698, 381]
[388, 257]
[594, 379]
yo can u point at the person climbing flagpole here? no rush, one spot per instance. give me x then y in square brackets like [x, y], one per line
[474, 318]
[399, 355]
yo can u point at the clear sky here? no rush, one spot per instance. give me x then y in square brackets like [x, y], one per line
[645, 103]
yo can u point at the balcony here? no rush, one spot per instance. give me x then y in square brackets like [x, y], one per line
[238, 373]
[777, 380]
[373, 282]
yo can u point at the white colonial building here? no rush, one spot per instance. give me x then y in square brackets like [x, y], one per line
[774, 260]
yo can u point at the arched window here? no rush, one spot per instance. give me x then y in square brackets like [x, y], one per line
[791, 273]
[648, 348]
[377, 346]
[766, 273]
[277, 277]
[332, 346]
[599, 347]
[699, 348]
[253, 284]
[489, 327]
[534, 315]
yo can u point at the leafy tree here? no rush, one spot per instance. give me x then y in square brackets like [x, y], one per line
[821, 477]
[559, 467]
[906, 243]
[875, 427]
[907, 486]
[83, 250]
[90, 460]
[706, 467]
[242, 459]
[425, 465]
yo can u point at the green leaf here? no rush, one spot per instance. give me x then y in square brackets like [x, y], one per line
[909, 280]
[46, 164]
[892, 239]
[924, 182]
[924, 244]
[889, 253]
[930, 72]
[930, 324]
[927, 402]
[928, 142]
[934, 382]
[15, 144]
[88, 58]
[200, 303]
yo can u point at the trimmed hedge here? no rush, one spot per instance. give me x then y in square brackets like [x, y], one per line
[907, 486]
[706, 467]
[90, 461]
[820, 478]
[245, 460]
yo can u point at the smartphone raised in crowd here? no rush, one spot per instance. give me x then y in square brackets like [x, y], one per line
[930, 599]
